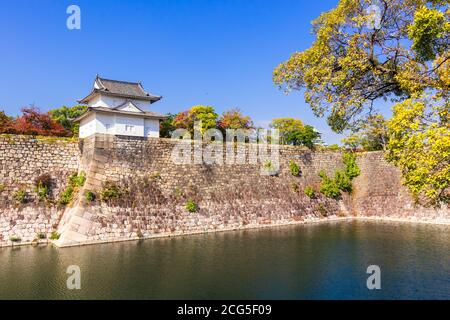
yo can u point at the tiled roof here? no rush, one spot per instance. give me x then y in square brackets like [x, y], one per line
[132, 90]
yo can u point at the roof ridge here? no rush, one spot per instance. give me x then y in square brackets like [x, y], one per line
[143, 90]
[120, 81]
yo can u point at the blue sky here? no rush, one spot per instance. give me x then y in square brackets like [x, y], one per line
[213, 52]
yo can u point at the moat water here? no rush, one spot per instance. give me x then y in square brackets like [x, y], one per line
[318, 261]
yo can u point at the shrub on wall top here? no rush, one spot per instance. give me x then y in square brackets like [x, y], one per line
[32, 122]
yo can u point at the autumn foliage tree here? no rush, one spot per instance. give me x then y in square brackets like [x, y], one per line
[5, 123]
[187, 119]
[234, 119]
[34, 122]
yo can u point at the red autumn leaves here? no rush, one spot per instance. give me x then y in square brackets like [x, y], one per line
[32, 122]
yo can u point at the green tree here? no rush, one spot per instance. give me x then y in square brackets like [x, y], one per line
[373, 135]
[66, 115]
[294, 132]
[353, 141]
[166, 126]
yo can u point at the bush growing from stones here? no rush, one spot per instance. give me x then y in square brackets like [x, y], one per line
[41, 235]
[270, 168]
[75, 181]
[78, 180]
[15, 239]
[351, 168]
[309, 191]
[43, 184]
[329, 187]
[42, 192]
[66, 196]
[191, 206]
[89, 195]
[294, 168]
[155, 175]
[342, 180]
[44, 180]
[110, 191]
[20, 196]
[54, 235]
[322, 210]
[2, 187]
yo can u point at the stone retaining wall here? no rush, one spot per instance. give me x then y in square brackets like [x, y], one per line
[22, 160]
[155, 190]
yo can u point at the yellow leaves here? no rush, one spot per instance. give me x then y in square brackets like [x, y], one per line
[442, 65]
[426, 31]
[409, 75]
[420, 145]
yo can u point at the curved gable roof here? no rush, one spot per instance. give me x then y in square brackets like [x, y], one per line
[125, 89]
